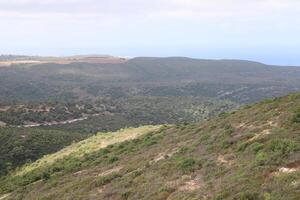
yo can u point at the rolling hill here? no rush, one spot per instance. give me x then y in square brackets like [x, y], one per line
[79, 96]
[252, 153]
[239, 81]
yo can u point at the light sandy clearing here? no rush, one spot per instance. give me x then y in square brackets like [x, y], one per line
[287, 170]
[163, 156]
[108, 172]
[263, 133]
[222, 160]
[64, 60]
[5, 108]
[284, 170]
[5, 196]
[9, 63]
[186, 183]
[192, 185]
[2, 124]
[273, 124]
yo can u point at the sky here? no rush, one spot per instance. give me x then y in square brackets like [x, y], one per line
[262, 30]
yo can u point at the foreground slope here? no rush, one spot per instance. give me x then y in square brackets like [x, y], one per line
[253, 153]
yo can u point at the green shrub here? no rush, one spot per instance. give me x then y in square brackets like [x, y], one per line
[261, 158]
[113, 159]
[225, 144]
[282, 146]
[296, 118]
[221, 195]
[274, 151]
[248, 196]
[267, 196]
[104, 151]
[242, 146]
[205, 138]
[187, 165]
[166, 189]
[46, 175]
[136, 173]
[103, 180]
[183, 150]
[218, 197]
[149, 140]
[125, 195]
[229, 129]
[223, 115]
[256, 147]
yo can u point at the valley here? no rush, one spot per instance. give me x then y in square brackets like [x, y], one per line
[209, 160]
[147, 128]
[149, 100]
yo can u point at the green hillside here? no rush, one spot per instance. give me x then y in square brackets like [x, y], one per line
[251, 154]
[22, 145]
[236, 80]
[80, 99]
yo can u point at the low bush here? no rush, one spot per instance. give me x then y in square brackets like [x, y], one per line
[296, 118]
[113, 159]
[187, 165]
[46, 176]
[103, 180]
[256, 147]
[261, 158]
[248, 196]
[183, 150]
[282, 146]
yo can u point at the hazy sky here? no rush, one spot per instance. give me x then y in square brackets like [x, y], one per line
[263, 30]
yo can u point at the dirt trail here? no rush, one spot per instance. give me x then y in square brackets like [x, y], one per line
[221, 159]
[192, 184]
[263, 133]
[110, 171]
[70, 121]
[163, 156]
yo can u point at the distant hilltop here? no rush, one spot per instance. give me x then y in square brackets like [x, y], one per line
[9, 60]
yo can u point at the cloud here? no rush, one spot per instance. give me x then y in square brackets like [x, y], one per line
[227, 9]
[155, 24]
[154, 9]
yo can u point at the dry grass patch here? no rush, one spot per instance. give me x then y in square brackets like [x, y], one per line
[5, 196]
[92, 144]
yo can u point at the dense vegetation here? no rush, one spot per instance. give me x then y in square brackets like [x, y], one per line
[138, 111]
[134, 110]
[19, 145]
[251, 154]
[39, 113]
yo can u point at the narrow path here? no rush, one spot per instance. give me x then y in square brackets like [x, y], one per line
[70, 121]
